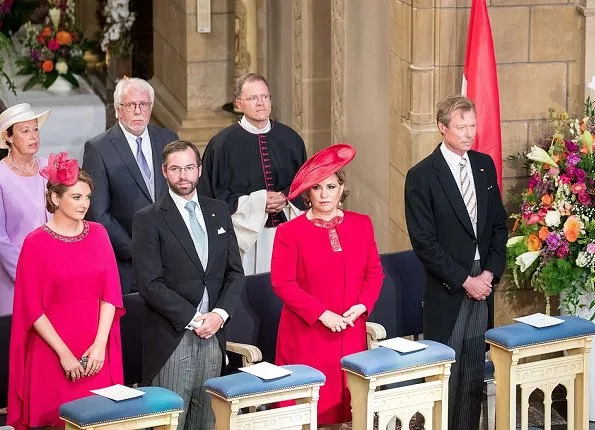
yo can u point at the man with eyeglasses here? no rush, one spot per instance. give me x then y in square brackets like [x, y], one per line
[124, 162]
[189, 272]
[250, 166]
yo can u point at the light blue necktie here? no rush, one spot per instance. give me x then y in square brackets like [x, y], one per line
[199, 238]
[144, 166]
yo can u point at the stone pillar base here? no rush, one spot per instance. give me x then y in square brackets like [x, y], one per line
[197, 126]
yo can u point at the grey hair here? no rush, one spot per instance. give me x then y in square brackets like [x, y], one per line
[125, 83]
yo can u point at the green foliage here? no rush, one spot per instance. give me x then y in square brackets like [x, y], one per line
[555, 276]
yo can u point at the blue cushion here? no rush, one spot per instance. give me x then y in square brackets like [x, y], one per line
[519, 334]
[242, 383]
[383, 360]
[96, 409]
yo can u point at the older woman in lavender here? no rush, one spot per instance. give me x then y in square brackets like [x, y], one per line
[22, 190]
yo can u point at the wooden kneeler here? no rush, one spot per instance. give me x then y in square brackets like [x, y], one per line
[421, 380]
[231, 393]
[158, 408]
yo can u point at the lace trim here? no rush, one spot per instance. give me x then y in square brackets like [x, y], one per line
[331, 226]
[68, 239]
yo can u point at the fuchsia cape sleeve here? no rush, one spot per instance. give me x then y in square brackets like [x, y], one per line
[28, 307]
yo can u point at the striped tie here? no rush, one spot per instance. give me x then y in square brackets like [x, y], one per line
[144, 166]
[467, 191]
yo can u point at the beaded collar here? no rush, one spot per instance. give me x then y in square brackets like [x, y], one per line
[68, 239]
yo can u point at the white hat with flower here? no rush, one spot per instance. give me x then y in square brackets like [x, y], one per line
[19, 113]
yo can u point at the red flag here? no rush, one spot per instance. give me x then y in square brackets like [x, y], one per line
[480, 84]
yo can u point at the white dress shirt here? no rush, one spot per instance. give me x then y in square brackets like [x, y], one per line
[180, 203]
[453, 161]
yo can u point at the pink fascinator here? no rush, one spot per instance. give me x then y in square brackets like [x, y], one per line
[61, 170]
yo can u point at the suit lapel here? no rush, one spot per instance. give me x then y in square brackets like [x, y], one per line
[174, 220]
[481, 190]
[120, 144]
[159, 180]
[451, 189]
[212, 224]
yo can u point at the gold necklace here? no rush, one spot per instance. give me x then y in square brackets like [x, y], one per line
[33, 162]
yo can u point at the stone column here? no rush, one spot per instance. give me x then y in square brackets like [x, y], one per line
[246, 37]
[412, 136]
[193, 71]
[588, 44]
[311, 80]
[360, 105]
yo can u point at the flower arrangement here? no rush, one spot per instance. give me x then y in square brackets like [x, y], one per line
[552, 247]
[115, 36]
[54, 50]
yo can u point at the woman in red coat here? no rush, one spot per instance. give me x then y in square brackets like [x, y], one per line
[326, 270]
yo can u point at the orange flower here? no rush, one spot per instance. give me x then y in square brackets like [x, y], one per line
[533, 243]
[64, 37]
[547, 199]
[572, 228]
[556, 158]
[543, 232]
[47, 66]
[46, 32]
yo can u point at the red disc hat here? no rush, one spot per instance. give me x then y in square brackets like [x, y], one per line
[320, 166]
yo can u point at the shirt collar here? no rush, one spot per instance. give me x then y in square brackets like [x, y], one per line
[254, 130]
[451, 158]
[180, 201]
[131, 137]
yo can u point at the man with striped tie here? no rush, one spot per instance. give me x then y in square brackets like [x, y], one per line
[457, 226]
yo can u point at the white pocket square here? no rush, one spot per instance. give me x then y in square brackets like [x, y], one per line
[221, 230]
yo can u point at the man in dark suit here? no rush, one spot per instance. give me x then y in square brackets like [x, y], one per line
[457, 226]
[124, 163]
[189, 272]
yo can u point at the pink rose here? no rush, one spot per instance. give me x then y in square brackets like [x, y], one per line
[53, 45]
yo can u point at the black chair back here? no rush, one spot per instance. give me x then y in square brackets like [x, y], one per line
[256, 318]
[5, 322]
[409, 277]
[131, 329]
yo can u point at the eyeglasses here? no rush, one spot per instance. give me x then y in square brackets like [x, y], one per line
[131, 107]
[263, 98]
[177, 169]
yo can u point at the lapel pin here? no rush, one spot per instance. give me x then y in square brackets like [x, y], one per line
[212, 214]
[482, 170]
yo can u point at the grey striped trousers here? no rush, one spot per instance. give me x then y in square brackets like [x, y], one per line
[193, 362]
[466, 378]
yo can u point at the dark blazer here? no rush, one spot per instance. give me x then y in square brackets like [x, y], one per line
[442, 235]
[170, 276]
[120, 189]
